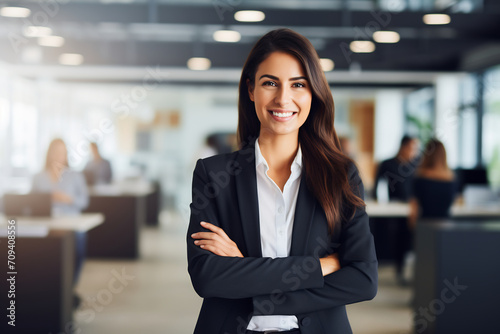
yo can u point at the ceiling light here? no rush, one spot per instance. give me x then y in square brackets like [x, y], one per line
[228, 36]
[36, 31]
[386, 36]
[362, 46]
[53, 41]
[249, 16]
[199, 64]
[15, 12]
[327, 64]
[70, 59]
[436, 19]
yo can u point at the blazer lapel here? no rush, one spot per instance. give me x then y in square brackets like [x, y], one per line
[246, 190]
[304, 212]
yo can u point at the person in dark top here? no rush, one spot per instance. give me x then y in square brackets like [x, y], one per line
[434, 186]
[399, 171]
[98, 170]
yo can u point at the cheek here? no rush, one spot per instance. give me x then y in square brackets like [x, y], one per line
[305, 102]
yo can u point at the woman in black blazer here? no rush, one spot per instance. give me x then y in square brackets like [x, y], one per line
[285, 123]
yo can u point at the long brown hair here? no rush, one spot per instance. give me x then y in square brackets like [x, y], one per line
[434, 156]
[50, 163]
[325, 165]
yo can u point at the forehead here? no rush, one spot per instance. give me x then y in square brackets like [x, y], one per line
[281, 64]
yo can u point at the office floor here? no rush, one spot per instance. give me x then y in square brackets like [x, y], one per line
[154, 295]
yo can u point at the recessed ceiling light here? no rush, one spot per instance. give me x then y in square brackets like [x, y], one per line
[228, 36]
[36, 31]
[386, 37]
[362, 46]
[15, 12]
[435, 19]
[327, 64]
[70, 59]
[199, 64]
[53, 41]
[249, 16]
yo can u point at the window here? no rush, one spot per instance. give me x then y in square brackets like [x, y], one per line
[491, 126]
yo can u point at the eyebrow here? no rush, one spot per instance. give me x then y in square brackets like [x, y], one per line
[276, 78]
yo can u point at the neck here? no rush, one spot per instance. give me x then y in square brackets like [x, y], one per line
[279, 150]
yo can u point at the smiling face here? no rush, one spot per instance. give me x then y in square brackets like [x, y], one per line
[281, 93]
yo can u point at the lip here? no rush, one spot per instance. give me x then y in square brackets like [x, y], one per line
[282, 119]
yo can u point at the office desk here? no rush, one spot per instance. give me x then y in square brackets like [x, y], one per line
[390, 237]
[125, 212]
[44, 269]
[456, 277]
[82, 223]
[402, 210]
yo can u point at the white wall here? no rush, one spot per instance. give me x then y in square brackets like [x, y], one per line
[389, 122]
[447, 121]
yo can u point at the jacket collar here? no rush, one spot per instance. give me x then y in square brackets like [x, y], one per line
[246, 190]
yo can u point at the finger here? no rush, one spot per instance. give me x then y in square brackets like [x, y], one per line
[203, 235]
[215, 229]
[209, 236]
[220, 245]
[210, 227]
[213, 249]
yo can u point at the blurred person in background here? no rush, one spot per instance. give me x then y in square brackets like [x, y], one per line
[98, 170]
[69, 195]
[398, 172]
[434, 186]
[210, 147]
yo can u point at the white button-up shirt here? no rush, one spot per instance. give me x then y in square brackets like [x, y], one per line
[276, 215]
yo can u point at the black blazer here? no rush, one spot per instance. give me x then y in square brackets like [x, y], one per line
[234, 289]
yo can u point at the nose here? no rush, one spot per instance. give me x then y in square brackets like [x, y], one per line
[283, 96]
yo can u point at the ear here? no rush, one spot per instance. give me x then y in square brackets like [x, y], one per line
[250, 90]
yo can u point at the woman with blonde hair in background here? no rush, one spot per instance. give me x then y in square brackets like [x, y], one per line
[69, 194]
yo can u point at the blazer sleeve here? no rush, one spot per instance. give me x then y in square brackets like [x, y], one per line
[234, 277]
[356, 281]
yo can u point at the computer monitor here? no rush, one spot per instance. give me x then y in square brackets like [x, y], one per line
[32, 205]
[476, 176]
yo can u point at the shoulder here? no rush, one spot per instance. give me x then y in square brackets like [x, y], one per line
[220, 162]
[355, 179]
[384, 164]
[353, 172]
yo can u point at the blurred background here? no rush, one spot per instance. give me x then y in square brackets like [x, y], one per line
[153, 84]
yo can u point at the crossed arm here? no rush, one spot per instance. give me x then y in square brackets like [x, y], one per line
[218, 269]
[217, 242]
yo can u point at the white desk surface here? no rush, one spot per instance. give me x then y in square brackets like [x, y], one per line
[82, 223]
[398, 209]
[132, 189]
[390, 209]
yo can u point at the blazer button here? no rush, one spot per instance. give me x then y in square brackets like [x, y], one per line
[305, 321]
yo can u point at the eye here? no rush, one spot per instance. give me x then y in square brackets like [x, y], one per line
[270, 83]
[299, 85]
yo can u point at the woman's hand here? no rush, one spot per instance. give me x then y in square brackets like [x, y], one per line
[216, 241]
[330, 264]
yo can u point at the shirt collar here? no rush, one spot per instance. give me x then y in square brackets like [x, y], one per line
[259, 158]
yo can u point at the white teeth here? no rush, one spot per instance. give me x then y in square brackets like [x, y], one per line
[282, 114]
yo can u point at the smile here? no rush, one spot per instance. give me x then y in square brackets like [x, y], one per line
[282, 115]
